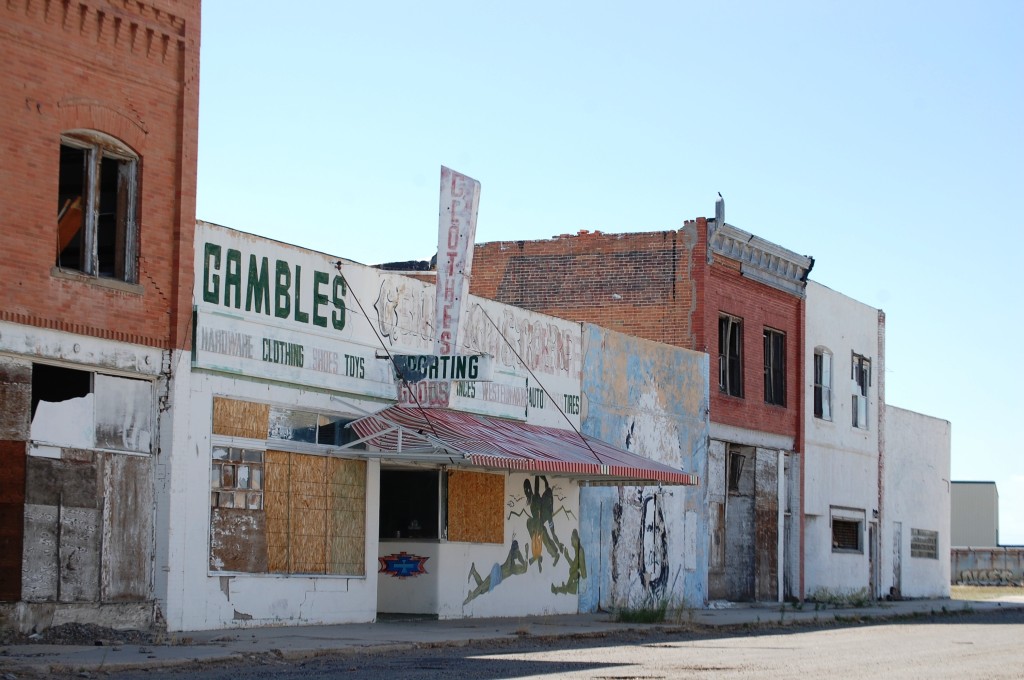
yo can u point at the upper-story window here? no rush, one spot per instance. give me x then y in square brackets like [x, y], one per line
[822, 383]
[774, 367]
[730, 353]
[860, 373]
[97, 203]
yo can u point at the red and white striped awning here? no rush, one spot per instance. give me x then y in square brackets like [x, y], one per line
[496, 443]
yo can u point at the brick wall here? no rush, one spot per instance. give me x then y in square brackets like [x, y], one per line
[658, 286]
[759, 306]
[129, 69]
[638, 284]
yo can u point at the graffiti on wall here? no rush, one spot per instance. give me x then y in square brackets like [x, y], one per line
[989, 577]
[640, 542]
[402, 565]
[539, 506]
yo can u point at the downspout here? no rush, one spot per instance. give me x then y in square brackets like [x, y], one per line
[801, 451]
[781, 543]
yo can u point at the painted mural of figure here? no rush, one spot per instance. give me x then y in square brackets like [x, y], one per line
[653, 546]
[515, 563]
[540, 522]
[577, 568]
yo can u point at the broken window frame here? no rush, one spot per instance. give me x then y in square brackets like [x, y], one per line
[822, 384]
[860, 375]
[85, 221]
[735, 471]
[55, 383]
[774, 367]
[225, 468]
[730, 355]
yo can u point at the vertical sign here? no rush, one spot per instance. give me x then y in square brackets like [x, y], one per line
[460, 199]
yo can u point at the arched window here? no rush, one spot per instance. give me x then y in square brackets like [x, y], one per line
[822, 383]
[97, 206]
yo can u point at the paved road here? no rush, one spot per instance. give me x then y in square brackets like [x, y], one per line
[981, 645]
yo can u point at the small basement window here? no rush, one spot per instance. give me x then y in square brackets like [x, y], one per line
[847, 530]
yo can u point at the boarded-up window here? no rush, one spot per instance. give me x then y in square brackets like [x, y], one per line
[924, 543]
[304, 514]
[233, 418]
[475, 507]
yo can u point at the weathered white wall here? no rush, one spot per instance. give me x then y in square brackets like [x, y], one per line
[646, 545]
[195, 599]
[531, 592]
[88, 524]
[917, 463]
[840, 460]
[447, 588]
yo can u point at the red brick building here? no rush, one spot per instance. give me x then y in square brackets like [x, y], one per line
[98, 122]
[709, 287]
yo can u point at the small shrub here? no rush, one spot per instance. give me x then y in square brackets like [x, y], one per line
[653, 612]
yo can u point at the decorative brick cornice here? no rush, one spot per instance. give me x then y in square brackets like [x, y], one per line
[126, 26]
[759, 259]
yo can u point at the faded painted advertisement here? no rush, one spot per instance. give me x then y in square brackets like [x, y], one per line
[645, 545]
[265, 309]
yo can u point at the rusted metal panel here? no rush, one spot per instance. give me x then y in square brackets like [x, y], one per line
[127, 528]
[238, 540]
[15, 398]
[12, 518]
[12, 472]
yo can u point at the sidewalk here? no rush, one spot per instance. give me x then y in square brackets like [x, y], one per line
[296, 642]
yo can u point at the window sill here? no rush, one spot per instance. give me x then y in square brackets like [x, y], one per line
[114, 284]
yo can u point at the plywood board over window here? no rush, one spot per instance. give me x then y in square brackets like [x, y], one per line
[234, 418]
[316, 514]
[475, 507]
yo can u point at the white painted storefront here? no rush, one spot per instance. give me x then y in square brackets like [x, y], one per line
[841, 461]
[269, 519]
[916, 535]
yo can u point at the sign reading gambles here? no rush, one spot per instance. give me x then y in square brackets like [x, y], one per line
[267, 311]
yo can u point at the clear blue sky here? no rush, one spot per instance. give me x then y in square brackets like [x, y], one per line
[885, 139]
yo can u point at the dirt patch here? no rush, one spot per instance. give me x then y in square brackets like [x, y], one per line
[82, 634]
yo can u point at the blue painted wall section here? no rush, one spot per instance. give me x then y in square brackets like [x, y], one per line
[645, 545]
